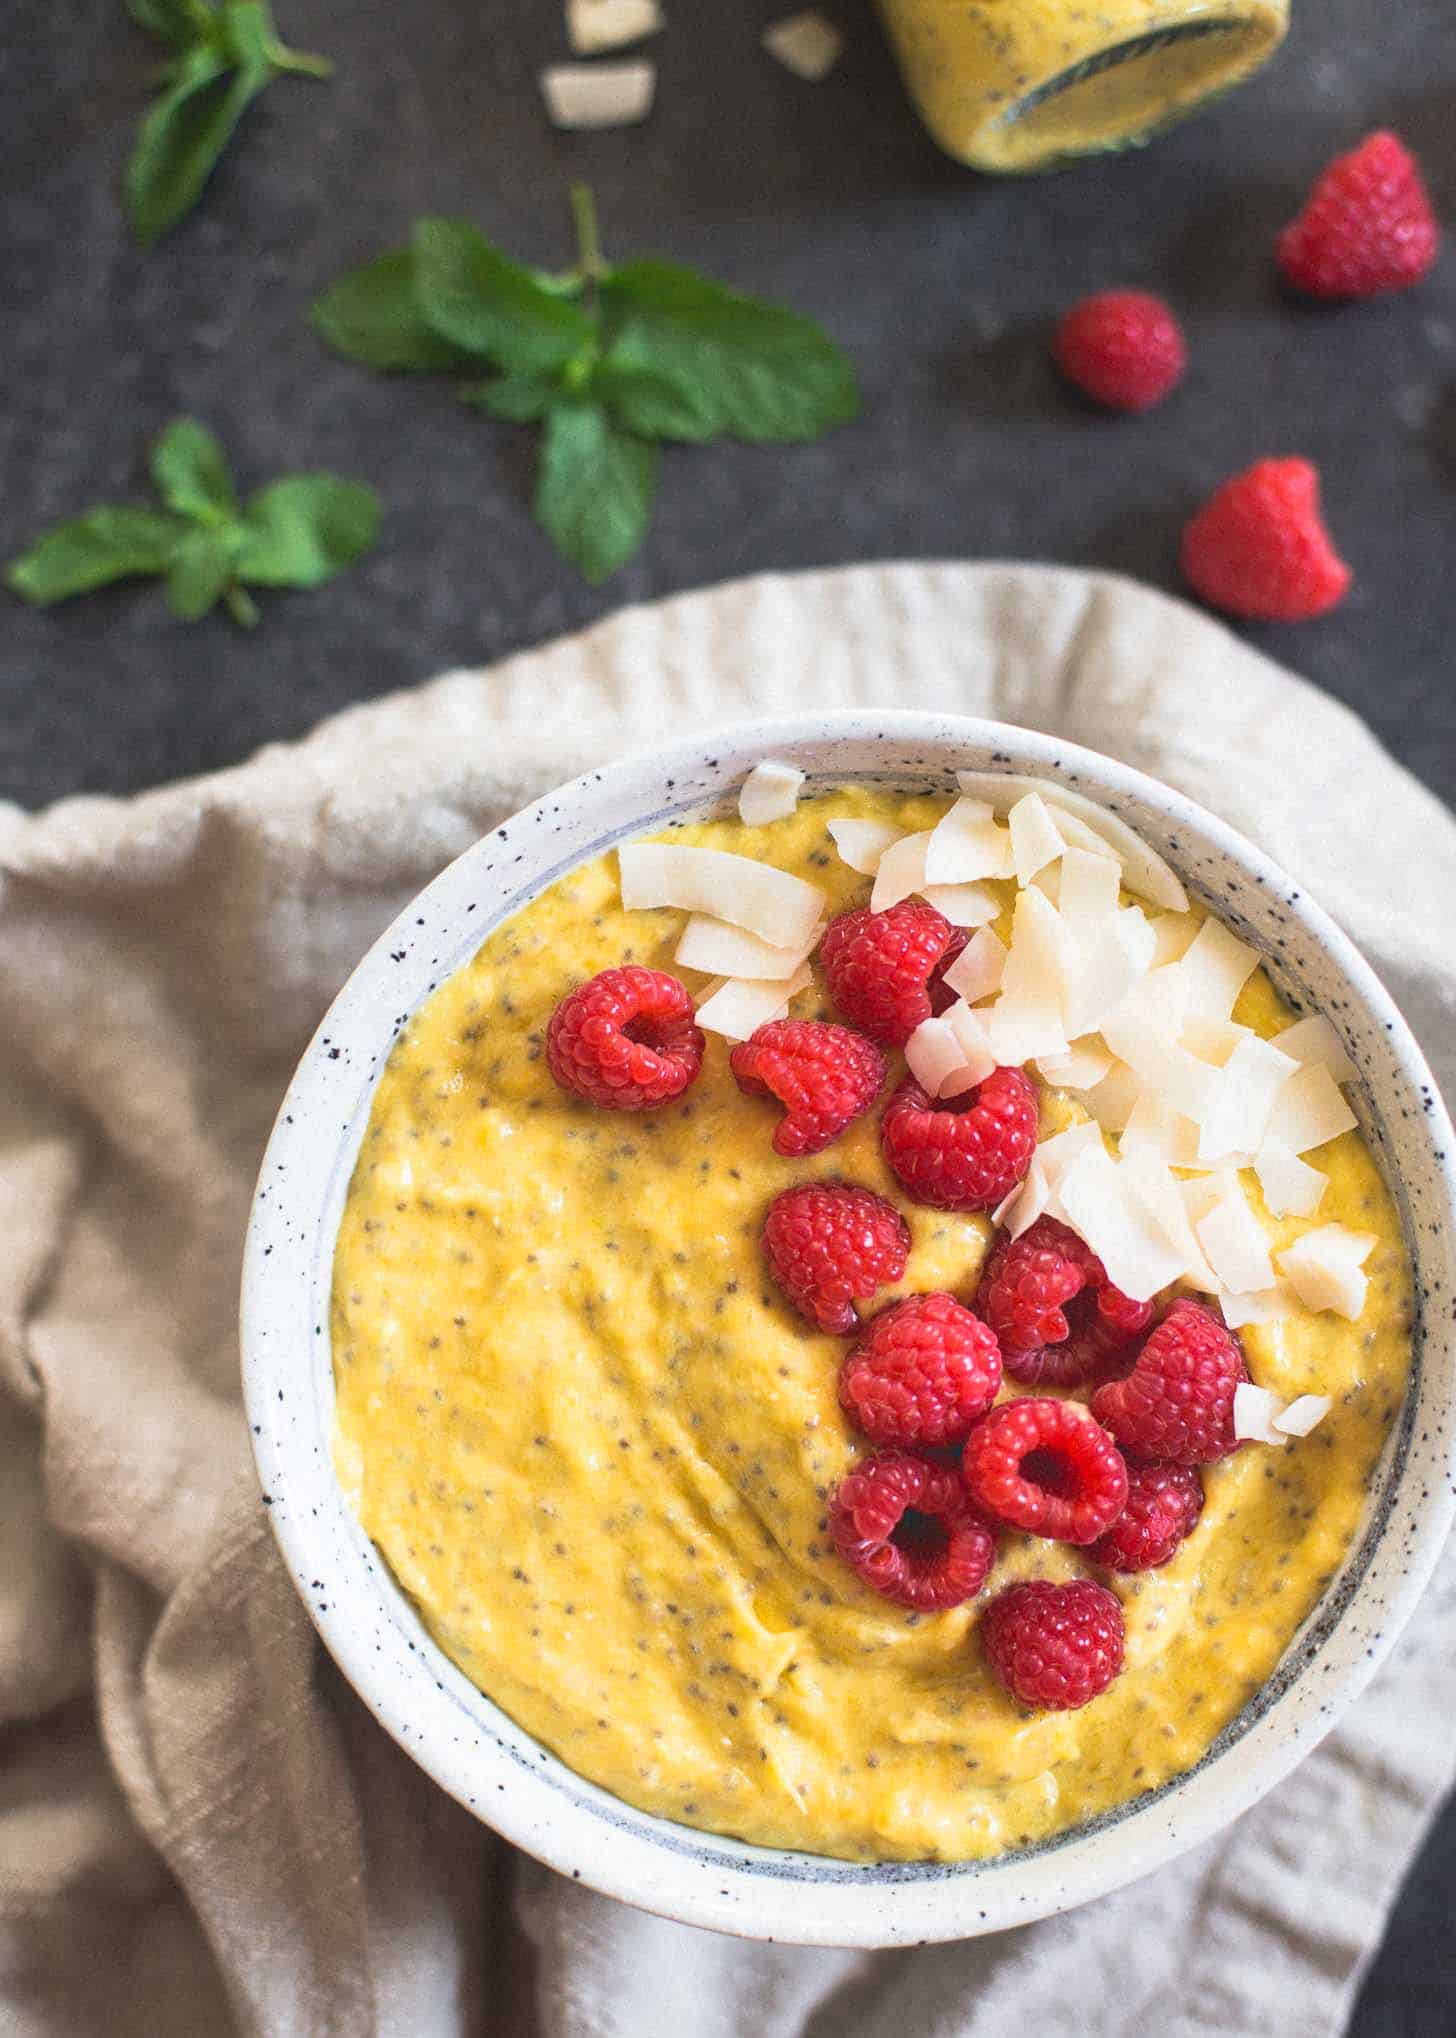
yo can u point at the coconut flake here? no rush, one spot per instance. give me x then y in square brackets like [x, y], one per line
[1082, 1067]
[1215, 969]
[1173, 936]
[1035, 840]
[1303, 1414]
[1265, 1307]
[1235, 1245]
[737, 1006]
[805, 44]
[1089, 887]
[963, 905]
[596, 25]
[901, 871]
[1311, 1109]
[1152, 1182]
[1059, 1154]
[1325, 1268]
[861, 844]
[1027, 1201]
[1292, 1188]
[1241, 1100]
[1087, 826]
[1102, 1208]
[1255, 1412]
[598, 95]
[1213, 1040]
[1104, 963]
[769, 793]
[1113, 1100]
[778, 908]
[967, 844]
[978, 969]
[722, 950]
[949, 1054]
[1313, 1040]
[1026, 1019]
[1153, 1128]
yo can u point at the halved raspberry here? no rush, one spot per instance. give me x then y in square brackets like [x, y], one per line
[626, 1040]
[884, 970]
[925, 1370]
[962, 1153]
[906, 1526]
[829, 1245]
[1054, 1647]
[825, 1076]
[1058, 1318]
[1123, 348]
[1163, 1506]
[1048, 1468]
[1176, 1406]
[1366, 227]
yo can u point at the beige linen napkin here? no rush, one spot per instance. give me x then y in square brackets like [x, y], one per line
[200, 1828]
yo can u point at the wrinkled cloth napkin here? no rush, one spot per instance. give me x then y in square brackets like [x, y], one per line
[201, 1830]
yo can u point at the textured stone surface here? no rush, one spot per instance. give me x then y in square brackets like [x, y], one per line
[942, 285]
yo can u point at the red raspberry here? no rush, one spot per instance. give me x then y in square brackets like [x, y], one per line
[1054, 1647]
[1057, 1316]
[1176, 1406]
[1366, 227]
[963, 1153]
[884, 969]
[825, 1077]
[827, 1244]
[905, 1525]
[1163, 1506]
[1259, 547]
[925, 1370]
[1122, 348]
[625, 1040]
[1048, 1468]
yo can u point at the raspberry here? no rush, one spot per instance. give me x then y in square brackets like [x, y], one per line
[1048, 1468]
[1122, 348]
[924, 1372]
[905, 1525]
[884, 969]
[827, 1244]
[1259, 547]
[1055, 1313]
[1176, 1406]
[825, 1077]
[1163, 1506]
[963, 1153]
[1366, 227]
[625, 1040]
[1054, 1647]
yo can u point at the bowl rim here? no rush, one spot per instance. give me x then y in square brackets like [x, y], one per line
[502, 1774]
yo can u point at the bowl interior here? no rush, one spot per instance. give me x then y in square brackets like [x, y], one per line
[466, 1743]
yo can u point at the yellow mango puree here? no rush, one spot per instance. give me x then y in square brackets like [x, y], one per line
[594, 1444]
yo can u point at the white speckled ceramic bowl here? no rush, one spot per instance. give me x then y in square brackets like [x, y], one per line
[470, 1747]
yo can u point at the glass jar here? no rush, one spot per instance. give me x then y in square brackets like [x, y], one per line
[1015, 85]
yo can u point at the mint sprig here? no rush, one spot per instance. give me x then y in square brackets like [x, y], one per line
[220, 58]
[205, 545]
[609, 361]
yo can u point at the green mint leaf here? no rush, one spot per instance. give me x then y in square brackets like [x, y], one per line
[595, 488]
[518, 399]
[184, 134]
[91, 551]
[180, 23]
[752, 369]
[191, 473]
[371, 315]
[654, 406]
[302, 531]
[472, 294]
[201, 568]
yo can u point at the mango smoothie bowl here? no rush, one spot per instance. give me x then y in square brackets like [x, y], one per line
[860, 1345]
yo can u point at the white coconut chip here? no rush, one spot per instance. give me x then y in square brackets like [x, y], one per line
[1292, 1188]
[1213, 1040]
[1255, 1413]
[596, 25]
[1265, 1307]
[1326, 1268]
[1082, 1067]
[1152, 1128]
[1086, 825]
[1215, 969]
[778, 908]
[1311, 1109]
[1026, 1020]
[1235, 1245]
[722, 950]
[769, 793]
[805, 44]
[966, 845]
[737, 1006]
[1173, 936]
[1059, 1154]
[978, 969]
[1105, 960]
[1035, 840]
[861, 844]
[1113, 1100]
[963, 905]
[1089, 888]
[1303, 1414]
[1027, 1201]
[900, 872]
[1102, 1208]
[588, 96]
[946, 1057]
[1241, 1100]
[1153, 1183]
[1314, 1040]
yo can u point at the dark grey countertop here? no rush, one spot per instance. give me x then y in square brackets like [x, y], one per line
[942, 285]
